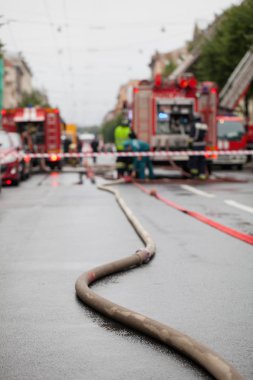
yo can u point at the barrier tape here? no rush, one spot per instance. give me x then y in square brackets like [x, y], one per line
[207, 153]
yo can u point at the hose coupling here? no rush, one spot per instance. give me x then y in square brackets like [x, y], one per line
[144, 255]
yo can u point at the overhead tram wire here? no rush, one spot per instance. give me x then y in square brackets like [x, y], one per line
[12, 36]
[71, 69]
[56, 49]
[103, 49]
[77, 22]
[54, 39]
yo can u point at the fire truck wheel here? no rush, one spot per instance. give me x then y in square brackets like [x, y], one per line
[51, 165]
[29, 173]
[16, 182]
[186, 168]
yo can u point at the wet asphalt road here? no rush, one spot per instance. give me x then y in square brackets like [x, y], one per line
[200, 282]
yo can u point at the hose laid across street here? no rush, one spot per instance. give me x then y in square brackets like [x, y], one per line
[202, 218]
[186, 345]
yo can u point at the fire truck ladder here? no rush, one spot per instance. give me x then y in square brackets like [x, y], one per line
[237, 83]
[192, 57]
[185, 65]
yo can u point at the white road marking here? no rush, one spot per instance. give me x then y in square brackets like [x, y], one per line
[196, 191]
[230, 202]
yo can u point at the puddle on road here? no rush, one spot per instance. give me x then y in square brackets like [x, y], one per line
[139, 339]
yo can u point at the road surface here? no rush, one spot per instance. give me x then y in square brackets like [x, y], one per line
[200, 281]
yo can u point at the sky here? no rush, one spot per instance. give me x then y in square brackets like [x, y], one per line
[81, 51]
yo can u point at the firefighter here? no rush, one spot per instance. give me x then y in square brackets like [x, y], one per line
[139, 164]
[121, 134]
[94, 146]
[66, 145]
[197, 164]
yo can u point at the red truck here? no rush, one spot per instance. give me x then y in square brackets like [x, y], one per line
[249, 129]
[40, 130]
[232, 135]
[163, 111]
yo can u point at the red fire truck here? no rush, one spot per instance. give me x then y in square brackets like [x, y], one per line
[249, 130]
[163, 111]
[40, 129]
[232, 135]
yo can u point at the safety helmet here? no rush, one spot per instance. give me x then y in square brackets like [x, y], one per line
[125, 122]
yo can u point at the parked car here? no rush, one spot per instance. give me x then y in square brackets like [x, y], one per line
[9, 161]
[25, 166]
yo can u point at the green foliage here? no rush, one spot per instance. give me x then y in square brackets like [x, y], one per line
[35, 98]
[169, 68]
[107, 129]
[91, 129]
[232, 39]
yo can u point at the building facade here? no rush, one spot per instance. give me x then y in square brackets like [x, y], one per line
[125, 96]
[17, 80]
[159, 61]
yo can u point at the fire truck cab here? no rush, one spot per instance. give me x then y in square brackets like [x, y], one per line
[163, 112]
[40, 130]
[232, 135]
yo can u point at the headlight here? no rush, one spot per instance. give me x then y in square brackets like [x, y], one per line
[8, 159]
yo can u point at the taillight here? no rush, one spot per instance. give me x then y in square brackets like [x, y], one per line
[27, 159]
[54, 158]
[211, 155]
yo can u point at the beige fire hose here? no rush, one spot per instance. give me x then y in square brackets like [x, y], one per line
[202, 355]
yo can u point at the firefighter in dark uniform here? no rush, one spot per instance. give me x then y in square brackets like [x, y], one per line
[197, 164]
[121, 134]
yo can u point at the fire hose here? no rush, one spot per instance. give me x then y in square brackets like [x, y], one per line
[184, 344]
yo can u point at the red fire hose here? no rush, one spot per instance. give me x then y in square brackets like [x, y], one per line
[202, 218]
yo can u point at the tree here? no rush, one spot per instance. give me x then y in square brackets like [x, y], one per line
[89, 129]
[35, 98]
[107, 128]
[232, 39]
[169, 68]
